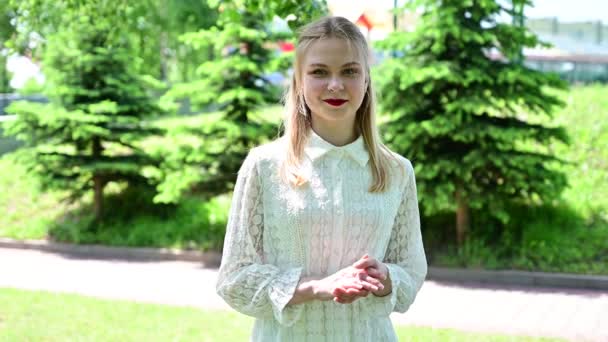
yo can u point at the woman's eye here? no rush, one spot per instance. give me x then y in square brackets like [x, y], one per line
[318, 72]
[351, 71]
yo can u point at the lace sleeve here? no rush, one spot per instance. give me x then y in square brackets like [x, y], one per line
[245, 282]
[404, 256]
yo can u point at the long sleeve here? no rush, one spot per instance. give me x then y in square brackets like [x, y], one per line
[245, 282]
[404, 256]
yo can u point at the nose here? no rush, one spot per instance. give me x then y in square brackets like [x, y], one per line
[335, 84]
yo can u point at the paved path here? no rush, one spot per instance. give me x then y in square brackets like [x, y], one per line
[572, 314]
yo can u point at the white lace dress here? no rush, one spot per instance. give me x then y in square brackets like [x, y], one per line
[277, 234]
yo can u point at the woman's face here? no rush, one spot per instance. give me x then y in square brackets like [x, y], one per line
[334, 81]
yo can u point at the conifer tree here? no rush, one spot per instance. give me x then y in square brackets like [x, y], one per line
[467, 112]
[88, 134]
[236, 83]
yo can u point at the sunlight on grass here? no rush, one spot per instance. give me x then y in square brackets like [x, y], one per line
[46, 316]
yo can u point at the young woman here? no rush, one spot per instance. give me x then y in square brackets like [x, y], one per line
[323, 240]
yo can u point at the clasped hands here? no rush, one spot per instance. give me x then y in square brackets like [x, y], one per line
[353, 282]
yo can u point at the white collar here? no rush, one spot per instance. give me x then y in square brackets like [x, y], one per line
[317, 147]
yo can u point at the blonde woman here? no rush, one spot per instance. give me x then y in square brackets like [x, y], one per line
[323, 240]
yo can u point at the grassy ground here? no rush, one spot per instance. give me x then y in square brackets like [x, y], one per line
[45, 316]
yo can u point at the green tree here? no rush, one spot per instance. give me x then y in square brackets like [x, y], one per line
[151, 27]
[465, 111]
[88, 134]
[234, 82]
[7, 30]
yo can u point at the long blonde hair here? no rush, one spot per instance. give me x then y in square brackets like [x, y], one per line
[297, 120]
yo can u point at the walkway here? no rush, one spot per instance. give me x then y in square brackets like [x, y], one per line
[578, 315]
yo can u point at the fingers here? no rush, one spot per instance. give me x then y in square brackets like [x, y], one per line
[369, 286]
[375, 273]
[344, 298]
[350, 292]
[372, 266]
[374, 276]
[364, 263]
[351, 285]
[370, 278]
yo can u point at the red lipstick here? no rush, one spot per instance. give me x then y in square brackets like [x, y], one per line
[336, 102]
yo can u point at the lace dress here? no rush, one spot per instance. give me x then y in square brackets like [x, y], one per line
[277, 234]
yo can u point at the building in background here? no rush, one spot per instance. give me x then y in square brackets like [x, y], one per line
[580, 45]
[579, 53]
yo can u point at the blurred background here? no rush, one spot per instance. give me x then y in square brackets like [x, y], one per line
[124, 124]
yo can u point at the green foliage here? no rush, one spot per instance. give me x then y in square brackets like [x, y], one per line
[203, 153]
[5, 75]
[150, 27]
[568, 236]
[7, 29]
[87, 135]
[130, 219]
[235, 79]
[586, 117]
[234, 82]
[469, 122]
[193, 224]
[551, 238]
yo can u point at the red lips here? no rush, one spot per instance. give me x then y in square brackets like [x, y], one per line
[336, 102]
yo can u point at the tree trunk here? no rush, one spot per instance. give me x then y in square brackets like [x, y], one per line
[98, 197]
[462, 216]
[98, 182]
[162, 56]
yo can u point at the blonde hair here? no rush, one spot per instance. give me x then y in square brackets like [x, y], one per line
[297, 121]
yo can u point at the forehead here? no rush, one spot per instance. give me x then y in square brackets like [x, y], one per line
[333, 52]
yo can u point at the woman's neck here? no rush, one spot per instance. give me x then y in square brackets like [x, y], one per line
[336, 135]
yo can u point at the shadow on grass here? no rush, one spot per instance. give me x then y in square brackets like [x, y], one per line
[131, 219]
[548, 238]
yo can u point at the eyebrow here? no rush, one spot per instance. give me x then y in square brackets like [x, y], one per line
[325, 66]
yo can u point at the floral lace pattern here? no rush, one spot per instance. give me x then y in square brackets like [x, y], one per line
[277, 234]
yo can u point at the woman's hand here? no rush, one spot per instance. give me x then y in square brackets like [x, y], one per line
[346, 285]
[378, 270]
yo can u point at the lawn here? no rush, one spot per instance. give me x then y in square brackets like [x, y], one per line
[45, 316]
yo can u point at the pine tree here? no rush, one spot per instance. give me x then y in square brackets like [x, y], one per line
[468, 113]
[7, 29]
[235, 82]
[88, 134]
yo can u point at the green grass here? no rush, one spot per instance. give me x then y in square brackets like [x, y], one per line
[586, 119]
[45, 316]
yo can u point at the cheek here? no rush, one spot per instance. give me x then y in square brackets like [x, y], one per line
[356, 87]
[358, 83]
[313, 88]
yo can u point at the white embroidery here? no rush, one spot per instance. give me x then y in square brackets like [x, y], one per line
[277, 234]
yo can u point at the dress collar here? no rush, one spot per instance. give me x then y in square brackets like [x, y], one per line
[317, 147]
